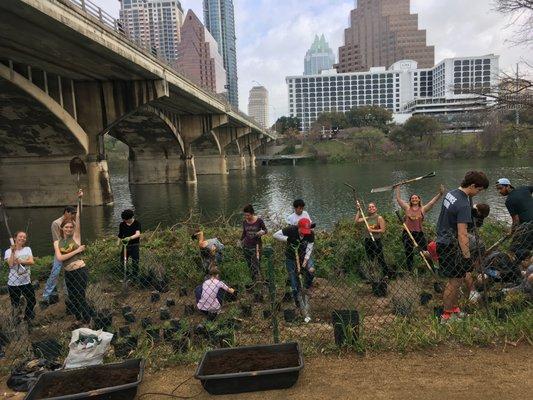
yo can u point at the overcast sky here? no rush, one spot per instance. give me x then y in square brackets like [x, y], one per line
[273, 36]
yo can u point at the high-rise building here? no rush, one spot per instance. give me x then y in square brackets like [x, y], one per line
[219, 19]
[380, 33]
[154, 24]
[258, 105]
[199, 58]
[402, 88]
[319, 57]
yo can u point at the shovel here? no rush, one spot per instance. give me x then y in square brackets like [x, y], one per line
[302, 295]
[414, 241]
[387, 188]
[77, 167]
[360, 209]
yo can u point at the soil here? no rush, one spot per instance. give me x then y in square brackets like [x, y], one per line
[247, 360]
[439, 373]
[98, 379]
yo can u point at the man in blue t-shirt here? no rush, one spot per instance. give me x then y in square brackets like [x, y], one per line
[519, 203]
[453, 246]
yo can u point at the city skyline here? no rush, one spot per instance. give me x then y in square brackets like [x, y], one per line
[274, 46]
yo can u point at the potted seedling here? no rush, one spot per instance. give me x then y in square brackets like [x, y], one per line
[372, 272]
[126, 310]
[404, 297]
[170, 302]
[425, 298]
[246, 310]
[183, 291]
[146, 322]
[124, 331]
[226, 337]
[124, 345]
[103, 319]
[155, 297]
[287, 297]
[181, 339]
[164, 314]
[345, 327]
[289, 314]
[154, 333]
[267, 313]
[130, 318]
[188, 310]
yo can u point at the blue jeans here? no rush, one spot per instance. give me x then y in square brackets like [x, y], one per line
[308, 273]
[52, 279]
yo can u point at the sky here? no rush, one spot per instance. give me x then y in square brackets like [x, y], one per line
[274, 35]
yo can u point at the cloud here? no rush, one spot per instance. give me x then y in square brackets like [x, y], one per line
[273, 36]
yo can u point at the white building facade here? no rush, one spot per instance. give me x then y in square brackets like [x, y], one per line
[258, 105]
[394, 88]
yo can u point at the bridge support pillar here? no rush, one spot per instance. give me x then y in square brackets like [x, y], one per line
[236, 162]
[47, 182]
[250, 160]
[158, 168]
[211, 164]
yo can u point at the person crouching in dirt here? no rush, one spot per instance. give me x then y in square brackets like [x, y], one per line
[209, 295]
[300, 241]
[253, 228]
[525, 263]
[19, 259]
[67, 250]
[374, 248]
[129, 233]
[210, 250]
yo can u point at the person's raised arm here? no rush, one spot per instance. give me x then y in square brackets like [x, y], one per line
[432, 202]
[399, 199]
[11, 259]
[263, 229]
[358, 218]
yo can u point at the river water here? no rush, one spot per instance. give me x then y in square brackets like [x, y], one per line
[271, 189]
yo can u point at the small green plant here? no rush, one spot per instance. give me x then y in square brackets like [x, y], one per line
[404, 299]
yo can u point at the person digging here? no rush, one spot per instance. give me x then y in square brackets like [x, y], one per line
[300, 241]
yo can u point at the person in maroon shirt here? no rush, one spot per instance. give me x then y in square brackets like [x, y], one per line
[414, 217]
[253, 228]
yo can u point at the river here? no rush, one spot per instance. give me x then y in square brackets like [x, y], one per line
[271, 190]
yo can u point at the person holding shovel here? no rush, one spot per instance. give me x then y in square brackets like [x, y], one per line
[129, 233]
[67, 250]
[19, 259]
[300, 241]
[253, 228]
[372, 235]
[415, 213]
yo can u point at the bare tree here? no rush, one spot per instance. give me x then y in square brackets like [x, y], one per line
[521, 12]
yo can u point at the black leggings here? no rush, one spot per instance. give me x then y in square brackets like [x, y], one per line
[409, 246]
[16, 292]
[374, 250]
[250, 255]
[76, 282]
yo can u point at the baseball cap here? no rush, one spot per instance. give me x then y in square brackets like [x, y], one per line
[504, 182]
[304, 226]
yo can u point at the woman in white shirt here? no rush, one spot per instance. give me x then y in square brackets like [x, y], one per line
[19, 259]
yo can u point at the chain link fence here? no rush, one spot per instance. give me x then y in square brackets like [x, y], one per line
[168, 308]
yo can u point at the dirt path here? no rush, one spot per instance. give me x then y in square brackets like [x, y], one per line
[443, 373]
[436, 374]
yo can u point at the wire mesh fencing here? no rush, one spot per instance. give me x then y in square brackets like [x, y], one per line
[164, 300]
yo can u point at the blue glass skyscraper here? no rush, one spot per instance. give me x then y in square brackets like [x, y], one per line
[219, 19]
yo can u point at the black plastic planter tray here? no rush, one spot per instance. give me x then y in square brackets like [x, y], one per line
[250, 369]
[125, 376]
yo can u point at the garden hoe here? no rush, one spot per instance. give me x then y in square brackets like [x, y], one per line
[77, 167]
[414, 242]
[360, 209]
[387, 188]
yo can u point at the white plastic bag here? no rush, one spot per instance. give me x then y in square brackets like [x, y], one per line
[81, 355]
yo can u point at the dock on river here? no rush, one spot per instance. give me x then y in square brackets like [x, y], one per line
[265, 159]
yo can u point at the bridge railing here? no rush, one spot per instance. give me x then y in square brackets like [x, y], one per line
[116, 25]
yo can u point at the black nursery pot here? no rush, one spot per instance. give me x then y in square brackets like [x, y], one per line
[103, 320]
[287, 297]
[146, 322]
[3, 290]
[438, 287]
[126, 309]
[155, 297]
[183, 291]
[425, 298]
[267, 314]
[258, 298]
[164, 314]
[180, 345]
[130, 318]
[124, 331]
[345, 326]
[168, 333]
[170, 302]
[36, 284]
[175, 323]
[379, 289]
[154, 334]
[289, 315]
[246, 310]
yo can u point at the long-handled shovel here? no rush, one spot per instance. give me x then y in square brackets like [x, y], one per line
[6, 222]
[387, 188]
[302, 293]
[414, 241]
[360, 209]
[498, 243]
[125, 267]
[77, 167]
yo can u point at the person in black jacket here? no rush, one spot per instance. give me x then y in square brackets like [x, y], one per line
[129, 233]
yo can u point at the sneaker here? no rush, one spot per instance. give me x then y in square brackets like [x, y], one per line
[307, 320]
[458, 313]
[474, 296]
[447, 318]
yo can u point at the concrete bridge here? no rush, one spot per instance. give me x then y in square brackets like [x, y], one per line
[69, 76]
